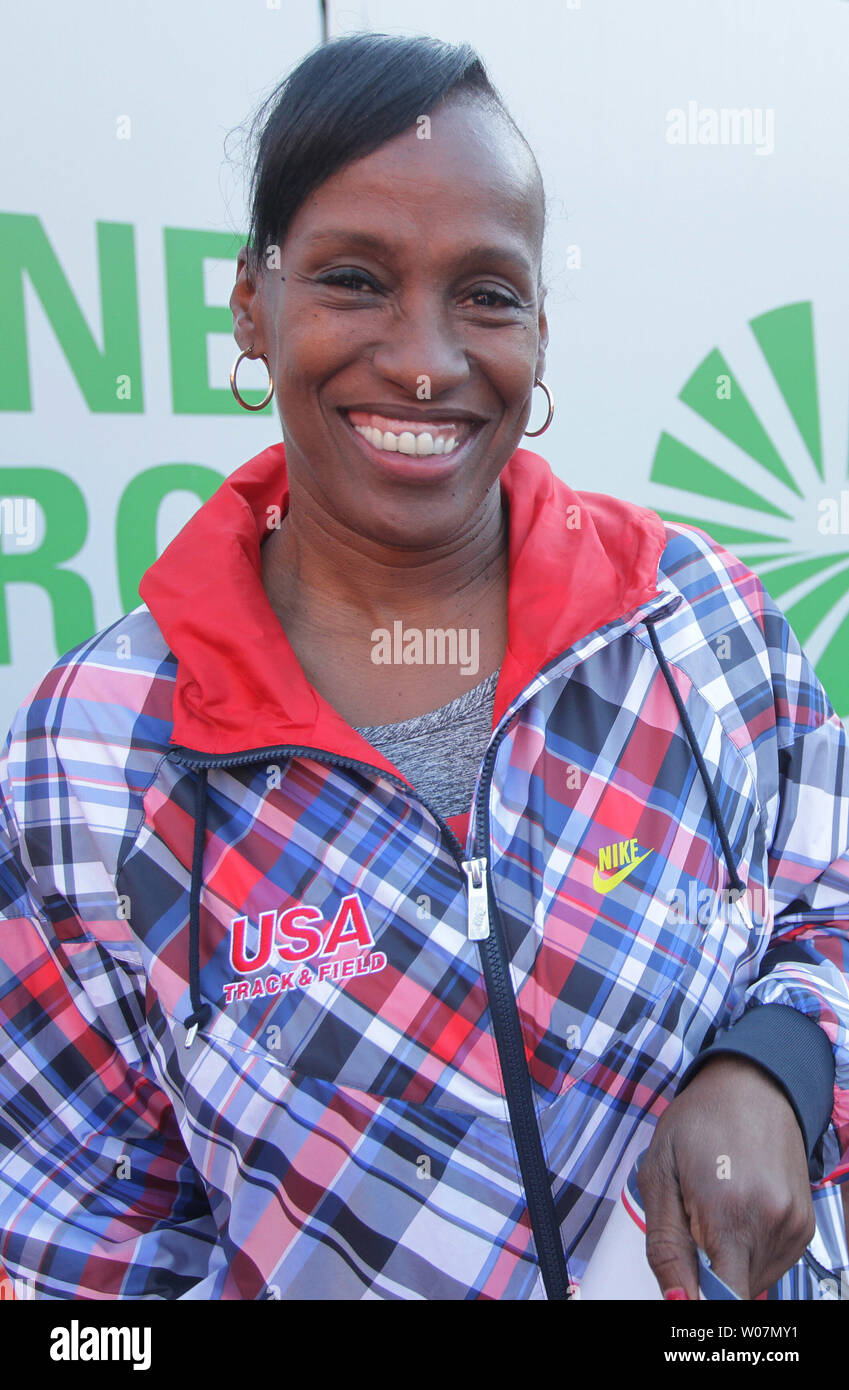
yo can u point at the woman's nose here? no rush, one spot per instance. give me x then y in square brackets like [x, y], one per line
[421, 348]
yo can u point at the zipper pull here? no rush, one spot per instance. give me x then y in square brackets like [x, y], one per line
[475, 870]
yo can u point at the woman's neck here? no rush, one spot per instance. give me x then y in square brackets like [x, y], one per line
[358, 615]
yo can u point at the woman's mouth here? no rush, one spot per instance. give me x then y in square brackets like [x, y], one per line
[416, 438]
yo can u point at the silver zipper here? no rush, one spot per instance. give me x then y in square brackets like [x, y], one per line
[475, 870]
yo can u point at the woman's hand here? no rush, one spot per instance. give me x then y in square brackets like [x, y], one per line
[726, 1171]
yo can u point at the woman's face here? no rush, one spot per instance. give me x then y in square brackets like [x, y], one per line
[407, 295]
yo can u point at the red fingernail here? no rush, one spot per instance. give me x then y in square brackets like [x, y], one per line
[676, 1293]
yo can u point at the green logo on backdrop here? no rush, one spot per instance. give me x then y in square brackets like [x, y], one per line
[789, 523]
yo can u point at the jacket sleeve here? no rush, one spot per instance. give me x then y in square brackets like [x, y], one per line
[98, 1197]
[796, 1019]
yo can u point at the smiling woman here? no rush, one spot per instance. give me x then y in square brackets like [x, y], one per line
[348, 943]
[403, 328]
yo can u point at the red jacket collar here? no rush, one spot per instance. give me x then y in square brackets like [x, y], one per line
[239, 685]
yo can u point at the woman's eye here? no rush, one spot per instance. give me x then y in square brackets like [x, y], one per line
[348, 280]
[493, 299]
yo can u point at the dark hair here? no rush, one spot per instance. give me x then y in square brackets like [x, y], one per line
[344, 100]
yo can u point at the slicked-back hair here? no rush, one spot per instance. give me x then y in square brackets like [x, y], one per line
[342, 102]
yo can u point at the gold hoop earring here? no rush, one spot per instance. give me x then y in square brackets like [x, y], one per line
[533, 433]
[234, 388]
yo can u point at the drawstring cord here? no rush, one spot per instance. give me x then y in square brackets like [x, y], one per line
[737, 883]
[200, 1010]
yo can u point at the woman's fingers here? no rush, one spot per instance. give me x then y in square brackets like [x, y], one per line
[670, 1248]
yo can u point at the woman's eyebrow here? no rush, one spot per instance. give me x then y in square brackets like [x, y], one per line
[492, 252]
[369, 241]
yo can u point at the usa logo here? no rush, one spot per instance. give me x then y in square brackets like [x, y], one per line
[340, 949]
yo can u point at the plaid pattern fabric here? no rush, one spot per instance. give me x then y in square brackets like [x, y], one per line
[338, 1128]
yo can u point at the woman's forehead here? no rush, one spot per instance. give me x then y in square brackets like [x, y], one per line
[470, 162]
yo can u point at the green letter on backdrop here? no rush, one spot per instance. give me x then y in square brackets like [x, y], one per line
[135, 528]
[66, 525]
[110, 378]
[191, 320]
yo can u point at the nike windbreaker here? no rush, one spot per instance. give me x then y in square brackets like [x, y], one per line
[272, 1030]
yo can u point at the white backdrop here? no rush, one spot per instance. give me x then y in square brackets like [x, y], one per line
[666, 239]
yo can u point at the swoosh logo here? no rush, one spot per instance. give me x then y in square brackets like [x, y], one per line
[605, 883]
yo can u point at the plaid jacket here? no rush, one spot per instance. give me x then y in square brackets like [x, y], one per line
[270, 1030]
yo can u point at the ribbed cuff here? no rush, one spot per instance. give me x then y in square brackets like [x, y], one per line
[793, 1050]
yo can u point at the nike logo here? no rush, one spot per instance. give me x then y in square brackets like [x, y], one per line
[622, 857]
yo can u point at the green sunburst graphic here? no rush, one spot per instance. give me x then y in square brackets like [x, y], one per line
[786, 514]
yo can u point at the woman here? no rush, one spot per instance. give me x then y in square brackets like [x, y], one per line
[337, 972]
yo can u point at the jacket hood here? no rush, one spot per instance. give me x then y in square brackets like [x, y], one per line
[577, 560]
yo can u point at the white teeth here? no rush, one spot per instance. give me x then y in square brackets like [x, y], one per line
[419, 445]
[406, 442]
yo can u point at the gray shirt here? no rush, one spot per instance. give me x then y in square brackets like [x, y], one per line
[440, 752]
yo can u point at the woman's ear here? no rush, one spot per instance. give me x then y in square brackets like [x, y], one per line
[543, 336]
[246, 306]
